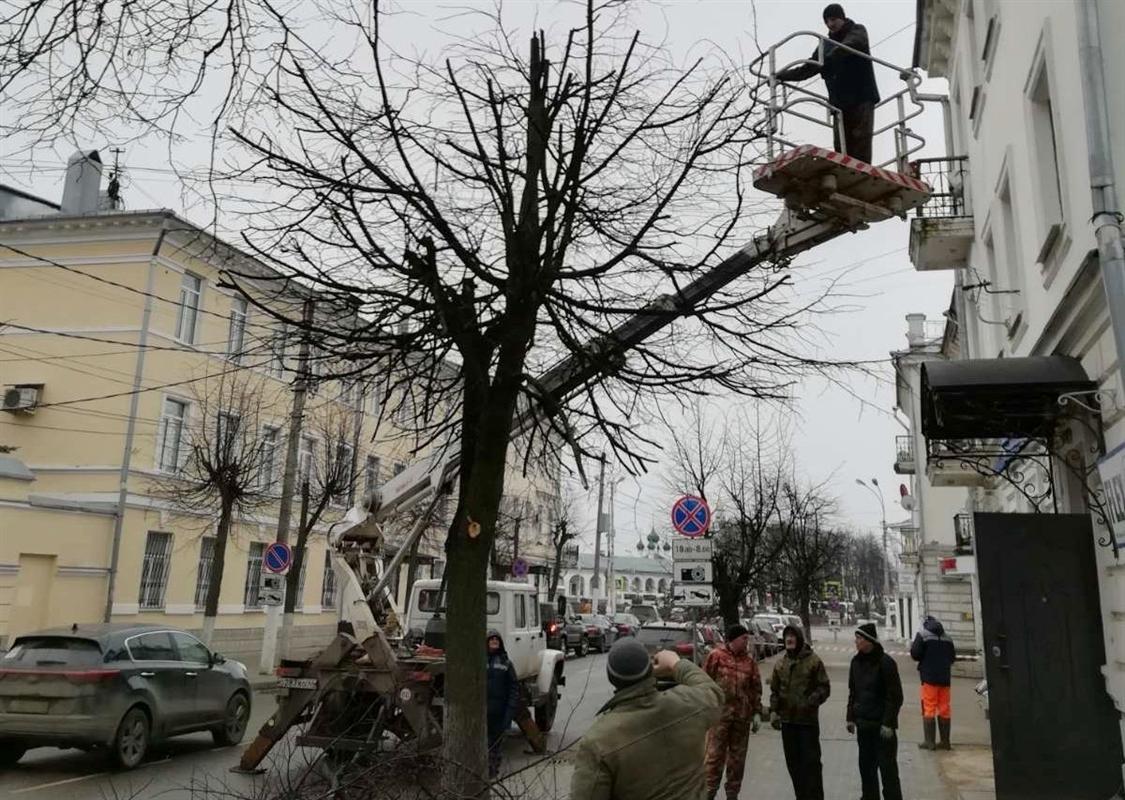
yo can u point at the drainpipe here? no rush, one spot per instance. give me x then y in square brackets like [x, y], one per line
[131, 427]
[1107, 215]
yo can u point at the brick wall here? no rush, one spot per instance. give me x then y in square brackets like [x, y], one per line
[948, 599]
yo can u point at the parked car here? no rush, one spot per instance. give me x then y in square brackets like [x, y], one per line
[776, 623]
[600, 632]
[647, 614]
[119, 687]
[627, 624]
[768, 642]
[673, 636]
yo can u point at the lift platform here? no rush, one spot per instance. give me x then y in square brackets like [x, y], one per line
[818, 183]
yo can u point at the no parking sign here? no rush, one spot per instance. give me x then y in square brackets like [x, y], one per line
[691, 516]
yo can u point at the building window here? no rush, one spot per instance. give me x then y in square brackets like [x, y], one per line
[154, 570]
[170, 447]
[371, 474]
[252, 595]
[277, 353]
[328, 586]
[267, 470]
[203, 571]
[1010, 255]
[306, 461]
[1045, 160]
[226, 436]
[342, 474]
[236, 334]
[190, 289]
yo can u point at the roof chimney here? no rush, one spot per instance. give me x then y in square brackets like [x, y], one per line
[916, 329]
[83, 183]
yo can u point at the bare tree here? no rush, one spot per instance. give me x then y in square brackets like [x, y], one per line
[741, 469]
[564, 530]
[510, 206]
[218, 466]
[861, 571]
[813, 547]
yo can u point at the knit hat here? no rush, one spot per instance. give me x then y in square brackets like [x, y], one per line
[868, 631]
[734, 631]
[628, 663]
[834, 11]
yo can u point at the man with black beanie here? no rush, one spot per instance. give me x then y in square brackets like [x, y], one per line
[733, 667]
[874, 700]
[647, 744]
[849, 77]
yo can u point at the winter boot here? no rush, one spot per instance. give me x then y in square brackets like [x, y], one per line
[943, 727]
[929, 733]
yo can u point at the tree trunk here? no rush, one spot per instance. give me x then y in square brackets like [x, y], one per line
[218, 565]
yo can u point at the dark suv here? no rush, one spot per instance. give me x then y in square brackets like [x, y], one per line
[563, 634]
[116, 686]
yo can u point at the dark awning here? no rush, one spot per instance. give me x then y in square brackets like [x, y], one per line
[996, 398]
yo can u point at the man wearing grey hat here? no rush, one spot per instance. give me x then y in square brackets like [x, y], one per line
[647, 744]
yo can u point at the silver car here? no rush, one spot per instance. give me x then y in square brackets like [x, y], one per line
[118, 687]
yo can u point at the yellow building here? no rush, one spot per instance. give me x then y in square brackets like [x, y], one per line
[117, 340]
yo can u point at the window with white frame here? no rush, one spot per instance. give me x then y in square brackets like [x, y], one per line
[267, 470]
[1045, 154]
[236, 333]
[328, 586]
[226, 434]
[252, 597]
[170, 449]
[191, 287]
[277, 353]
[371, 468]
[306, 460]
[155, 568]
[203, 571]
[342, 472]
[374, 391]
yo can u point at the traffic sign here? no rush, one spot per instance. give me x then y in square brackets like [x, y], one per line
[271, 590]
[278, 558]
[691, 516]
[692, 572]
[520, 567]
[693, 594]
[692, 549]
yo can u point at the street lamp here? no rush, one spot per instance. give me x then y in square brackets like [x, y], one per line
[875, 490]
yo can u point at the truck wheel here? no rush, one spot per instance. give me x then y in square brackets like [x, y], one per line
[583, 647]
[545, 711]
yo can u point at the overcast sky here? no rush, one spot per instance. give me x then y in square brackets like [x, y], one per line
[840, 433]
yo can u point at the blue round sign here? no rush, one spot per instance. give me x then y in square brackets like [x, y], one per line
[278, 557]
[691, 516]
[520, 568]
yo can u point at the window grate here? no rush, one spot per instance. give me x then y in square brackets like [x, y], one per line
[328, 587]
[252, 596]
[204, 570]
[154, 570]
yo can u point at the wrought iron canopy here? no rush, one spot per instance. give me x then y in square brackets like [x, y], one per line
[998, 398]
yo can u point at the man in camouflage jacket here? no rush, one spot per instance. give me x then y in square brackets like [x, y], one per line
[798, 687]
[733, 667]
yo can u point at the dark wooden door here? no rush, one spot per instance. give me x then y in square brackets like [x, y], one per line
[1055, 732]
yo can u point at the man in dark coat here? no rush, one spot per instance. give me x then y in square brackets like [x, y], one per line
[850, 79]
[798, 688]
[874, 700]
[503, 697]
[935, 654]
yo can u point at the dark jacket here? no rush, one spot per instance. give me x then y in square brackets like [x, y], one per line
[850, 78]
[503, 688]
[874, 690]
[799, 684]
[934, 652]
[640, 729]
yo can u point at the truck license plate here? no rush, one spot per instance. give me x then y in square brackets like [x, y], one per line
[296, 683]
[19, 706]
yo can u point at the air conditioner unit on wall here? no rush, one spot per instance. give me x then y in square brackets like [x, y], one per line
[21, 399]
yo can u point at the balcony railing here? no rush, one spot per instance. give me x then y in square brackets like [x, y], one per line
[948, 178]
[904, 455]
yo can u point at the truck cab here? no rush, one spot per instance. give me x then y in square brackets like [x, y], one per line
[513, 610]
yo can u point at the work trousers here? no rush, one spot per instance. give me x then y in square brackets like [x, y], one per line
[802, 757]
[858, 123]
[496, 733]
[878, 758]
[727, 743]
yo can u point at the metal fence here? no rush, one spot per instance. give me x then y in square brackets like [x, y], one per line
[252, 597]
[948, 177]
[904, 449]
[154, 570]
